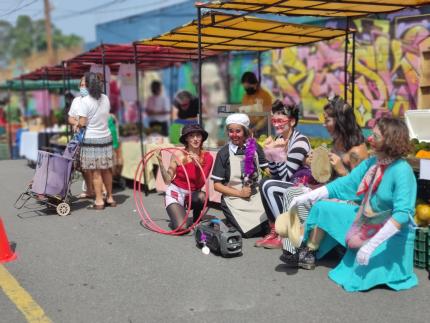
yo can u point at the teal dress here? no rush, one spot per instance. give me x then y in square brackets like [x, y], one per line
[391, 263]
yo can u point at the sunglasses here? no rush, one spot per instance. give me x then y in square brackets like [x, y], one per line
[280, 120]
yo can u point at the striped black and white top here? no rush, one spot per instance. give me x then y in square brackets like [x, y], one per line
[298, 149]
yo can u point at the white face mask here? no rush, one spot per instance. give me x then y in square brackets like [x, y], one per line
[83, 91]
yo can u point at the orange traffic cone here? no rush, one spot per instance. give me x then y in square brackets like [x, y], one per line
[6, 253]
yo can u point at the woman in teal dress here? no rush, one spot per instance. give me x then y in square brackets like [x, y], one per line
[384, 184]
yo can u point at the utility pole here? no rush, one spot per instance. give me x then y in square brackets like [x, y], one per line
[48, 31]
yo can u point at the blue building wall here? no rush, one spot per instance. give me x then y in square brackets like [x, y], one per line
[156, 22]
[146, 25]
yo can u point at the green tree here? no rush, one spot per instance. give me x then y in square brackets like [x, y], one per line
[22, 38]
[28, 37]
[5, 28]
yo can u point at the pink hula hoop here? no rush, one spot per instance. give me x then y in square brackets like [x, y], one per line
[138, 196]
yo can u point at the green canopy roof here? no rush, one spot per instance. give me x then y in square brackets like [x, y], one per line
[17, 85]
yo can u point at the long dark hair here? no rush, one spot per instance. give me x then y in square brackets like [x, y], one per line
[94, 85]
[346, 128]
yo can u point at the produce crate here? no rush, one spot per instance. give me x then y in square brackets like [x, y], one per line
[421, 248]
[428, 250]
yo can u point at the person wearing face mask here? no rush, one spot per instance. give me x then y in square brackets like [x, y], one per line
[96, 149]
[73, 117]
[240, 200]
[255, 94]
[286, 154]
[74, 121]
[377, 229]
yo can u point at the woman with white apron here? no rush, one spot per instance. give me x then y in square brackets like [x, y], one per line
[241, 201]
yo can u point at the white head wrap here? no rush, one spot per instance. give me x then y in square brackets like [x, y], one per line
[238, 118]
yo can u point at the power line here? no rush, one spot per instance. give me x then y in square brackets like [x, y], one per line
[90, 10]
[18, 8]
[132, 8]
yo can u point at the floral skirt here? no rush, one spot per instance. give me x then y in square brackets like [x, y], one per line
[96, 153]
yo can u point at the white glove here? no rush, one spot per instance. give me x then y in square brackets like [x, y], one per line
[310, 197]
[386, 232]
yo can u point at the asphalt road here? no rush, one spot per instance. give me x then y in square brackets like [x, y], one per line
[103, 266]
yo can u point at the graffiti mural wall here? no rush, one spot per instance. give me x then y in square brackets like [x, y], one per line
[387, 69]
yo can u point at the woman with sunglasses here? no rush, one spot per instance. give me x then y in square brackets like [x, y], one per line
[286, 154]
[377, 229]
[348, 150]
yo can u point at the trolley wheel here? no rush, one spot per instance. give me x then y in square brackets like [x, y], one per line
[63, 209]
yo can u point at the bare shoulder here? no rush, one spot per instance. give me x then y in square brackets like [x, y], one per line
[358, 153]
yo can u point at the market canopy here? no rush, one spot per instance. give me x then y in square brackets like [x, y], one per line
[56, 72]
[31, 85]
[148, 57]
[325, 8]
[227, 32]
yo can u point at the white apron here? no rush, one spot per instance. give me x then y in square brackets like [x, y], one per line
[248, 213]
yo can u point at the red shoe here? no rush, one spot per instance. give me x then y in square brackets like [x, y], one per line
[275, 243]
[271, 235]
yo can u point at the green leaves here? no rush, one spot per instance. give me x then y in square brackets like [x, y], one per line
[28, 37]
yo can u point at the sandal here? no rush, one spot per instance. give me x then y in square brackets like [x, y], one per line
[84, 195]
[96, 207]
[110, 204]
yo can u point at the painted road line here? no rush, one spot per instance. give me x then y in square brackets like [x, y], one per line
[22, 300]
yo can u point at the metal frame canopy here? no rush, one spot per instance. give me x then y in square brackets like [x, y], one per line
[146, 57]
[217, 31]
[325, 8]
[227, 32]
[54, 73]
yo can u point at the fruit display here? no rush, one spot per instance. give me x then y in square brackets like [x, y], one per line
[62, 140]
[422, 214]
[421, 148]
[261, 140]
[316, 142]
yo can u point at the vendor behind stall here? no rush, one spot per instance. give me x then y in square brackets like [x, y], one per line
[256, 95]
[185, 108]
[241, 202]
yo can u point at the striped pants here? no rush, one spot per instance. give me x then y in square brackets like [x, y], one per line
[277, 196]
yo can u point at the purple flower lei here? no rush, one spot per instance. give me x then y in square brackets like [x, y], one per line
[251, 148]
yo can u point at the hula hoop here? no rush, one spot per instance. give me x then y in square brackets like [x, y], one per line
[138, 196]
[147, 221]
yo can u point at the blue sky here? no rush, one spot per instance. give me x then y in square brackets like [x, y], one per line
[79, 16]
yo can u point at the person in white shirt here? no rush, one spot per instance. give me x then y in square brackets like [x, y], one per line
[96, 151]
[73, 121]
[158, 108]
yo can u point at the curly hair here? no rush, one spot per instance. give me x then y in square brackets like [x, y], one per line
[346, 127]
[395, 133]
[94, 84]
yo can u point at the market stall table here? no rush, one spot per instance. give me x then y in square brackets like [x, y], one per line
[32, 141]
[132, 157]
